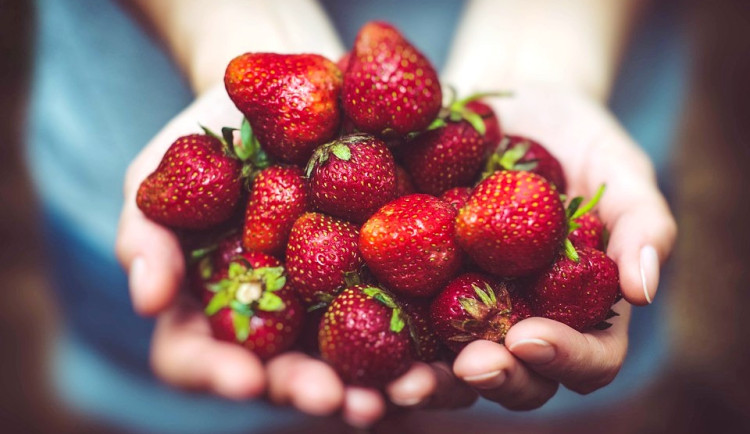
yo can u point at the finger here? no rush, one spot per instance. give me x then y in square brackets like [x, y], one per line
[500, 377]
[151, 255]
[184, 354]
[309, 385]
[643, 230]
[414, 387]
[363, 407]
[583, 362]
[430, 385]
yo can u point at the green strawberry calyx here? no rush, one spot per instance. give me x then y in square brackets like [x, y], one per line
[340, 148]
[246, 290]
[576, 208]
[507, 158]
[487, 317]
[456, 110]
[398, 319]
[248, 149]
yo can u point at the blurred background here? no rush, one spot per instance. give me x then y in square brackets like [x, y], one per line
[707, 385]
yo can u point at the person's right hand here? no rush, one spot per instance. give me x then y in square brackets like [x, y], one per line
[184, 352]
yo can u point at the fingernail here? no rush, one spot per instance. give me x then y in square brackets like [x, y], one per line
[649, 262]
[490, 380]
[534, 351]
[137, 274]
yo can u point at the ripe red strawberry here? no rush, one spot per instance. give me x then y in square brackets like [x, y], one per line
[291, 100]
[205, 264]
[590, 232]
[365, 337]
[521, 153]
[278, 197]
[474, 306]
[427, 343]
[577, 293]
[322, 256]
[390, 88]
[513, 224]
[252, 306]
[493, 132]
[196, 184]
[445, 157]
[453, 151]
[456, 197]
[352, 177]
[409, 245]
[404, 186]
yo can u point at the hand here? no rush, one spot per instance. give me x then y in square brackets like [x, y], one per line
[593, 149]
[185, 354]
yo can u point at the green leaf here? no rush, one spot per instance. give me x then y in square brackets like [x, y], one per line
[236, 269]
[510, 158]
[341, 151]
[206, 268]
[527, 166]
[491, 293]
[588, 206]
[570, 251]
[241, 323]
[270, 302]
[381, 296]
[476, 121]
[220, 300]
[228, 134]
[573, 207]
[473, 307]
[209, 132]
[240, 307]
[437, 123]
[397, 321]
[486, 299]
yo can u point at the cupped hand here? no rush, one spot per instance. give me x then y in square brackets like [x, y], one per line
[594, 149]
[183, 351]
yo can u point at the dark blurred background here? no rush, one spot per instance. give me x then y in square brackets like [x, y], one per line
[707, 388]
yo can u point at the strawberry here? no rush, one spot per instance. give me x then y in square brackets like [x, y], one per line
[590, 232]
[352, 177]
[577, 293]
[427, 343]
[252, 306]
[390, 88]
[206, 263]
[456, 197]
[453, 151]
[196, 185]
[493, 131]
[409, 245]
[404, 186]
[513, 224]
[278, 197]
[474, 306]
[365, 337]
[290, 100]
[521, 153]
[322, 256]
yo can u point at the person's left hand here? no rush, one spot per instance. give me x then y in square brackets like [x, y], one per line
[539, 354]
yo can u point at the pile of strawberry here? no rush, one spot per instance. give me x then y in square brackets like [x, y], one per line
[354, 216]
